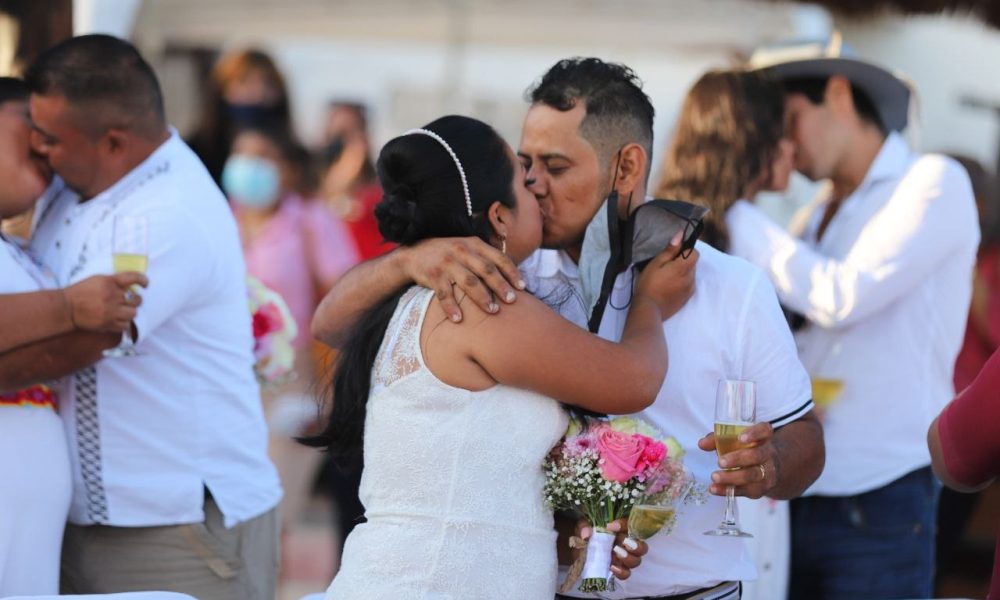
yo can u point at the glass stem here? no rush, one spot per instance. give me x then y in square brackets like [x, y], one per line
[730, 506]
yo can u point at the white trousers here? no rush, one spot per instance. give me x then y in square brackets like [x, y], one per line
[770, 547]
[35, 490]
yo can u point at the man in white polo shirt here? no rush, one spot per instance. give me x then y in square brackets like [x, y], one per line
[589, 133]
[172, 486]
[882, 274]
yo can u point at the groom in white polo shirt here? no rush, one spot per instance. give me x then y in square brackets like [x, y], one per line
[173, 489]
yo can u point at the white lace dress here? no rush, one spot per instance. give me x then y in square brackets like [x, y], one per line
[452, 483]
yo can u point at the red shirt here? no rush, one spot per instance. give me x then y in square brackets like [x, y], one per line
[969, 429]
[363, 225]
[976, 350]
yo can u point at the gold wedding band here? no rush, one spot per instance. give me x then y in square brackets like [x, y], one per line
[763, 471]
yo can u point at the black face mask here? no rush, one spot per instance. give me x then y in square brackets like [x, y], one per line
[611, 244]
[252, 115]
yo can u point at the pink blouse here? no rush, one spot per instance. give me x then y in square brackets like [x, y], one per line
[302, 243]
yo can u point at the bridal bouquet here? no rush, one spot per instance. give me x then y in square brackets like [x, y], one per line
[274, 330]
[601, 469]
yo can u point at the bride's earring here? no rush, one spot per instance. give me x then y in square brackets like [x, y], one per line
[503, 244]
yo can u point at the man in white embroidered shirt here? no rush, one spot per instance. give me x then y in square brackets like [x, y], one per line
[173, 489]
[881, 273]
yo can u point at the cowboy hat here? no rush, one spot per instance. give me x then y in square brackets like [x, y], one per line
[889, 92]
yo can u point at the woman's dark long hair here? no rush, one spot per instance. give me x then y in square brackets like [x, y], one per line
[423, 199]
[726, 140]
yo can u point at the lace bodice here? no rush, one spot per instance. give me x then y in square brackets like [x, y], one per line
[452, 483]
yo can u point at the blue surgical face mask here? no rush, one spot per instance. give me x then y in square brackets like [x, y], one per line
[251, 181]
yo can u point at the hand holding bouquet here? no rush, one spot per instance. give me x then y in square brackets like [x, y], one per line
[603, 468]
[274, 330]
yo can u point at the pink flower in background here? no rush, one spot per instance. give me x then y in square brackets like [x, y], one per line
[620, 454]
[274, 330]
[267, 319]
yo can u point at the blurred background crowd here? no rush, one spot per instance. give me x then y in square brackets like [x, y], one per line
[286, 103]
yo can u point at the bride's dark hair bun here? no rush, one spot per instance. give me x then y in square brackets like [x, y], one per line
[398, 216]
[424, 196]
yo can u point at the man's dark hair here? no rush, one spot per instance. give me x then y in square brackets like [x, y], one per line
[618, 111]
[13, 89]
[105, 75]
[814, 88]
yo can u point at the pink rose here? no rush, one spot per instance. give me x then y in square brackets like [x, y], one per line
[652, 455]
[620, 454]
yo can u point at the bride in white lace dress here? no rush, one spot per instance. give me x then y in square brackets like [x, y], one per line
[454, 419]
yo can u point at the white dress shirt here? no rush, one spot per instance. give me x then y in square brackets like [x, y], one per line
[732, 327]
[186, 414]
[886, 291]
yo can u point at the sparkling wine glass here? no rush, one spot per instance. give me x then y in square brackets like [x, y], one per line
[735, 410]
[651, 514]
[826, 390]
[129, 248]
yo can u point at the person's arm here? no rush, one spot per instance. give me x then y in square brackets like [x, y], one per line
[530, 346]
[329, 248]
[929, 219]
[788, 452]
[940, 467]
[964, 440]
[52, 358]
[98, 303]
[469, 264]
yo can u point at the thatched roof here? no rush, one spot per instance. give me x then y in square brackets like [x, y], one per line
[987, 10]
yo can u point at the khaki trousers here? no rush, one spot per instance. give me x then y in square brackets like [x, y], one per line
[204, 560]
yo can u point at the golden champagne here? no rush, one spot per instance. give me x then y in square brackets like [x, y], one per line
[647, 520]
[825, 391]
[129, 262]
[727, 437]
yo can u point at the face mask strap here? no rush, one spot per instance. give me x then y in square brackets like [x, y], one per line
[615, 265]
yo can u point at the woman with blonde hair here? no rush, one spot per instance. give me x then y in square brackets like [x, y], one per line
[728, 145]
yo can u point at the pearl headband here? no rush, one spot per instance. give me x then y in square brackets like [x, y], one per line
[454, 157]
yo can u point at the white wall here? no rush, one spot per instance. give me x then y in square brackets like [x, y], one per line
[947, 58]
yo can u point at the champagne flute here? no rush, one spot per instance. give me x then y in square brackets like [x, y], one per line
[646, 519]
[826, 390]
[129, 247]
[650, 515]
[735, 410]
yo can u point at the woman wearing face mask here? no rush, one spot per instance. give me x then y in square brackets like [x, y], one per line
[245, 89]
[297, 248]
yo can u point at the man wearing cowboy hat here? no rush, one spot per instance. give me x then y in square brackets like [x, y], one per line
[880, 269]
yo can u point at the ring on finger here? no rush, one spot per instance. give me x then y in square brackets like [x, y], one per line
[129, 296]
[763, 471]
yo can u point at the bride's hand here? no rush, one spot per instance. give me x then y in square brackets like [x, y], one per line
[668, 278]
[627, 554]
